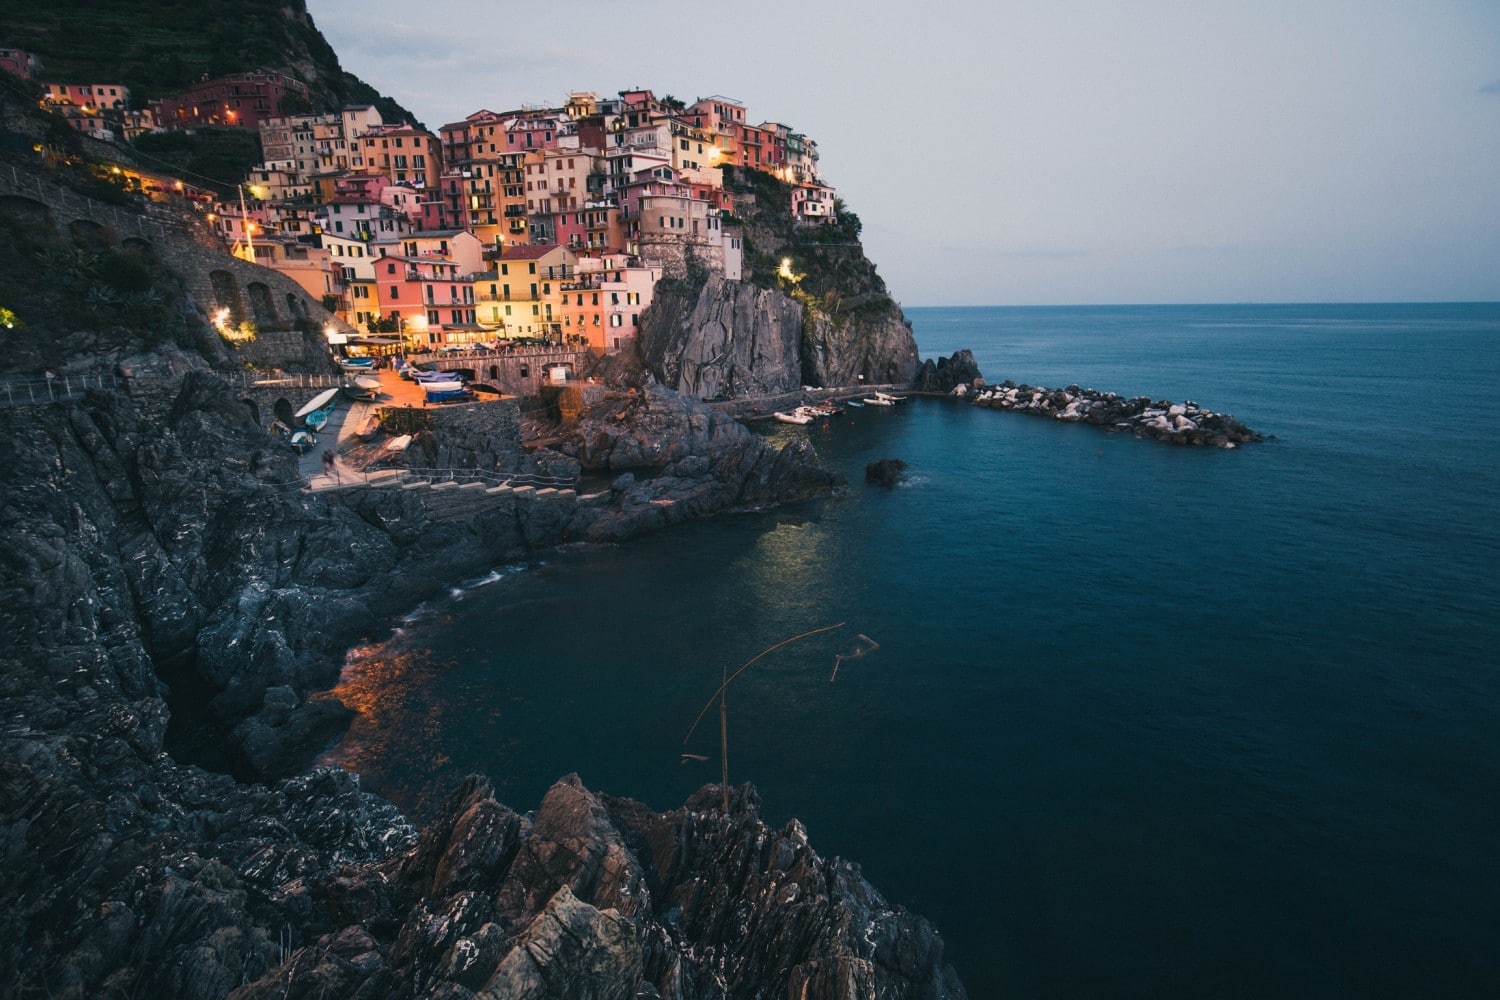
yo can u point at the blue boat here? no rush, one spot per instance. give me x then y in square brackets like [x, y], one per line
[447, 393]
[436, 377]
[357, 364]
[317, 419]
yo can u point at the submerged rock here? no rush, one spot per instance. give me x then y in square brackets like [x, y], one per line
[886, 472]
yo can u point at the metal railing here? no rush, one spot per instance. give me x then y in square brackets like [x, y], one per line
[22, 392]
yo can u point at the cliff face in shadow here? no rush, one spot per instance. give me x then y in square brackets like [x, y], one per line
[811, 311]
[158, 532]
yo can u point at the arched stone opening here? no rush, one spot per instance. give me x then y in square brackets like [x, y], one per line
[89, 235]
[283, 411]
[296, 306]
[262, 308]
[227, 295]
[254, 410]
[29, 210]
[139, 248]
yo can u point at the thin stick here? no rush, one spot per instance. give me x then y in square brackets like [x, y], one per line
[724, 739]
[730, 679]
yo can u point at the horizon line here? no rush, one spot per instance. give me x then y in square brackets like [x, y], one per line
[1245, 302]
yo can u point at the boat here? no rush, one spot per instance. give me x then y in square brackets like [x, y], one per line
[318, 402]
[429, 377]
[302, 441]
[853, 402]
[447, 393]
[824, 409]
[363, 387]
[889, 398]
[357, 364]
[796, 416]
[317, 419]
[879, 400]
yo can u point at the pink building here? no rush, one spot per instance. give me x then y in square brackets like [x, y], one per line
[20, 62]
[426, 295]
[242, 100]
[93, 97]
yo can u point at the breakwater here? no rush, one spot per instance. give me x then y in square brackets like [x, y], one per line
[1161, 420]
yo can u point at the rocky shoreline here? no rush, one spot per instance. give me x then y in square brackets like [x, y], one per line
[149, 538]
[1184, 423]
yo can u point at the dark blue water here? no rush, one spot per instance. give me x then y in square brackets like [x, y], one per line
[1143, 720]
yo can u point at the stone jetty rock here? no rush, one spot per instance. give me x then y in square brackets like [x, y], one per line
[1183, 423]
[946, 374]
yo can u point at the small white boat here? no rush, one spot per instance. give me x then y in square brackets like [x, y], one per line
[796, 416]
[889, 398]
[319, 401]
[879, 400]
[370, 383]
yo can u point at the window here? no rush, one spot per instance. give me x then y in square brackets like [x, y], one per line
[615, 319]
[395, 292]
[531, 269]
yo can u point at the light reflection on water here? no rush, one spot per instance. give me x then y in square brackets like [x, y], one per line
[1135, 709]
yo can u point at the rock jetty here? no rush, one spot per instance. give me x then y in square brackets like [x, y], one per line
[1161, 420]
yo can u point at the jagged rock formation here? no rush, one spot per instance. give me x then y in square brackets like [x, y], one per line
[701, 461]
[146, 538]
[831, 324]
[947, 374]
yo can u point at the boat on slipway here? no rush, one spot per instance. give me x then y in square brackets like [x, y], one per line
[879, 400]
[421, 377]
[316, 411]
[446, 392]
[363, 387]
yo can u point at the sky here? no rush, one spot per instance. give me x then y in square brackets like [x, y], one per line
[1049, 152]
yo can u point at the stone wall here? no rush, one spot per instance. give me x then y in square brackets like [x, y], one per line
[519, 373]
[673, 254]
[289, 321]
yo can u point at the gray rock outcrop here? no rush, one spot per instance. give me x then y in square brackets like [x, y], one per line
[143, 540]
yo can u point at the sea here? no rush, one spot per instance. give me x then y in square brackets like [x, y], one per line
[1122, 719]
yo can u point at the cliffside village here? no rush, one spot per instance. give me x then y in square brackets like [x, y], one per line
[535, 224]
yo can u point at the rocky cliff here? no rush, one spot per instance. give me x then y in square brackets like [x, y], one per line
[824, 318]
[156, 535]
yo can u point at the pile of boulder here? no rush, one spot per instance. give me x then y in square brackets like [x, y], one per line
[1162, 420]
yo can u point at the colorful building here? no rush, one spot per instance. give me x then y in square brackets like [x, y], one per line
[241, 100]
[20, 62]
[404, 153]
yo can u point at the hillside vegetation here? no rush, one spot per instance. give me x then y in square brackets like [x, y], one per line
[158, 47]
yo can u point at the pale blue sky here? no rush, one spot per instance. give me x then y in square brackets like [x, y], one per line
[1053, 152]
